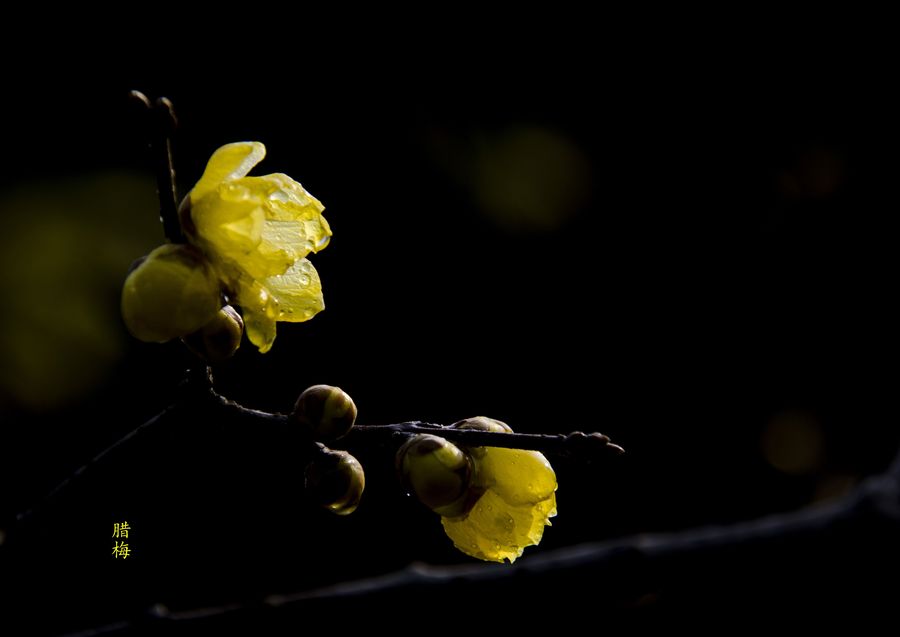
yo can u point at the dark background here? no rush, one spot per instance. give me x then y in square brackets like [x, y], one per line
[695, 260]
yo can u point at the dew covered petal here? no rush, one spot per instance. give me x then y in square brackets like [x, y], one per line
[517, 501]
[260, 312]
[298, 292]
[294, 220]
[495, 530]
[521, 476]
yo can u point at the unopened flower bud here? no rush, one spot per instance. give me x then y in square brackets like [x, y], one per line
[219, 339]
[437, 472]
[171, 293]
[326, 412]
[335, 480]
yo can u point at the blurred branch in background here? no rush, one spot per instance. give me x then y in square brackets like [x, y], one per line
[816, 563]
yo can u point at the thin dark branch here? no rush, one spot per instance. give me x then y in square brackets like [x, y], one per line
[162, 127]
[576, 443]
[91, 464]
[165, 170]
[197, 390]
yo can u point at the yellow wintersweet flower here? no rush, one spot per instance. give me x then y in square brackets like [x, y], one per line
[256, 233]
[518, 500]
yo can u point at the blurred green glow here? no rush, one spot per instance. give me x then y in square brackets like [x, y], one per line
[65, 247]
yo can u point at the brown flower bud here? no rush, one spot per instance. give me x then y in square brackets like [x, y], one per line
[325, 412]
[335, 480]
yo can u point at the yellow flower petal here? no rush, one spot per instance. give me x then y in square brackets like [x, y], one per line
[260, 312]
[518, 501]
[520, 476]
[298, 292]
[286, 198]
[294, 220]
[542, 514]
[227, 232]
[260, 224]
[494, 530]
[229, 162]
[260, 329]
[294, 296]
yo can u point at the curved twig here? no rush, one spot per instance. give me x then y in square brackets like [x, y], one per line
[162, 128]
[118, 445]
[197, 390]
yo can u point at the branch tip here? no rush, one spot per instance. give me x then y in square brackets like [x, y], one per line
[139, 98]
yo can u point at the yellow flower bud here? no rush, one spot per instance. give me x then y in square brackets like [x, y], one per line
[170, 294]
[483, 423]
[437, 472]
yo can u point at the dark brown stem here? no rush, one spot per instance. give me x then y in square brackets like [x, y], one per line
[576, 443]
[162, 128]
[197, 390]
[118, 445]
